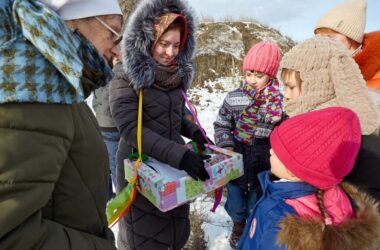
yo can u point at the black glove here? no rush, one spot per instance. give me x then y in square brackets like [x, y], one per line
[194, 166]
[199, 139]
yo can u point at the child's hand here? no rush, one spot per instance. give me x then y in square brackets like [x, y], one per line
[229, 148]
[200, 140]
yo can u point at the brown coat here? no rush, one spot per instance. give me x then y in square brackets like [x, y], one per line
[362, 233]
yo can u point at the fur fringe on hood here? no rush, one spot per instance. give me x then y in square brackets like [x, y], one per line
[362, 233]
[139, 36]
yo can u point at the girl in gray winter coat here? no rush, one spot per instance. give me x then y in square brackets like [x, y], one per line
[158, 49]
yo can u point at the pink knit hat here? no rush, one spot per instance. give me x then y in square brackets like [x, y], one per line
[319, 147]
[263, 57]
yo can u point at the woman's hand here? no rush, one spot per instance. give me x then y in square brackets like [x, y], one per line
[193, 164]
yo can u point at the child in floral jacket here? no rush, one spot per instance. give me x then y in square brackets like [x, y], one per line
[244, 123]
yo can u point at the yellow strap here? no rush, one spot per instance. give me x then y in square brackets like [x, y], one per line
[139, 135]
[119, 206]
[139, 126]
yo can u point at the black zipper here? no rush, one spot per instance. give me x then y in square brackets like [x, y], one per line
[249, 170]
[170, 116]
[174, 234]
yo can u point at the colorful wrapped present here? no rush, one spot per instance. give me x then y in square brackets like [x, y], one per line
[167, 187]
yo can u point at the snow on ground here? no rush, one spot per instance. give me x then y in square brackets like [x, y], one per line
[209, 103]
[218, 225]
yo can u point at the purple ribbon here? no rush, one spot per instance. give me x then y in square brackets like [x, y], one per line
[219, 191]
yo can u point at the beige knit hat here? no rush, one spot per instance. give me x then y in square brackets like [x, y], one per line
[348, 18]
[330, 77]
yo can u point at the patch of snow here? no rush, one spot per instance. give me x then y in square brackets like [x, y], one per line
[210, 103]
[89, 102]
[217, 226]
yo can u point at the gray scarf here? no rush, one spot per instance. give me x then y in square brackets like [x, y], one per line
[166, 78]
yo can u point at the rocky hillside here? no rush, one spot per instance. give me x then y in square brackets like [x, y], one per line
[222, 46]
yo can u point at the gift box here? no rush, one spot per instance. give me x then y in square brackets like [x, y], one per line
[167, 187]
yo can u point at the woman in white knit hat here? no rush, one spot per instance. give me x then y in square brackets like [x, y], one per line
[346, 23]
[53, 161]
[320, 73]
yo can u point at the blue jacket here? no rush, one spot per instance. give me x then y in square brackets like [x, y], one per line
[262, 226]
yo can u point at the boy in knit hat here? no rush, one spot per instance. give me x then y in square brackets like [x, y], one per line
[244, 123]
[346, 23]
[304, 206]
[320, 73]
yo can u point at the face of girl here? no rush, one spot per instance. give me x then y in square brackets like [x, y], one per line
[292, 86]
[167, 48]
[256, 79]
[279, 169]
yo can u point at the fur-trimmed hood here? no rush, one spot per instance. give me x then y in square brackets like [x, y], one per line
[363, 232]
[139, 36]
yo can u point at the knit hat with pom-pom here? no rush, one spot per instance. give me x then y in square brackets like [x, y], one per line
[263, 57]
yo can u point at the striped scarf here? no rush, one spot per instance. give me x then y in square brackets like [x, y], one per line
[264, 107]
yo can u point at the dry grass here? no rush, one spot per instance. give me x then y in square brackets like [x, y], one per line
[127, 6]
[197, 237]
[219, 86]
[225, 64]
[195, 99]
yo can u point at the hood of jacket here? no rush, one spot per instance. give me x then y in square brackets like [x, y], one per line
[369, 58]
[284, 189]
[361, 232]
[139, 35]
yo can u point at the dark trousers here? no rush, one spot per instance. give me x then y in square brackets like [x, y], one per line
[255, 160]
[242, 193]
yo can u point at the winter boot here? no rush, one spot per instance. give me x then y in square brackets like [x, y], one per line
[237, 231]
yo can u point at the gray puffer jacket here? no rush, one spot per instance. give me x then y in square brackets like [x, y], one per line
[100, 104]
[145, 227]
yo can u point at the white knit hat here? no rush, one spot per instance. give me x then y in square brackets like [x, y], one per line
[77, 9]
[348, 18]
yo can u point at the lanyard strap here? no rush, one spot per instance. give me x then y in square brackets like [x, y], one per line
[192, 111]
[219, 191]
[119, 206]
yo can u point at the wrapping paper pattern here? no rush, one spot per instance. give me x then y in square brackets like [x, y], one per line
[166, 194]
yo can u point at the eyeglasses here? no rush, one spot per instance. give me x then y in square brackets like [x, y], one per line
[118, 36]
